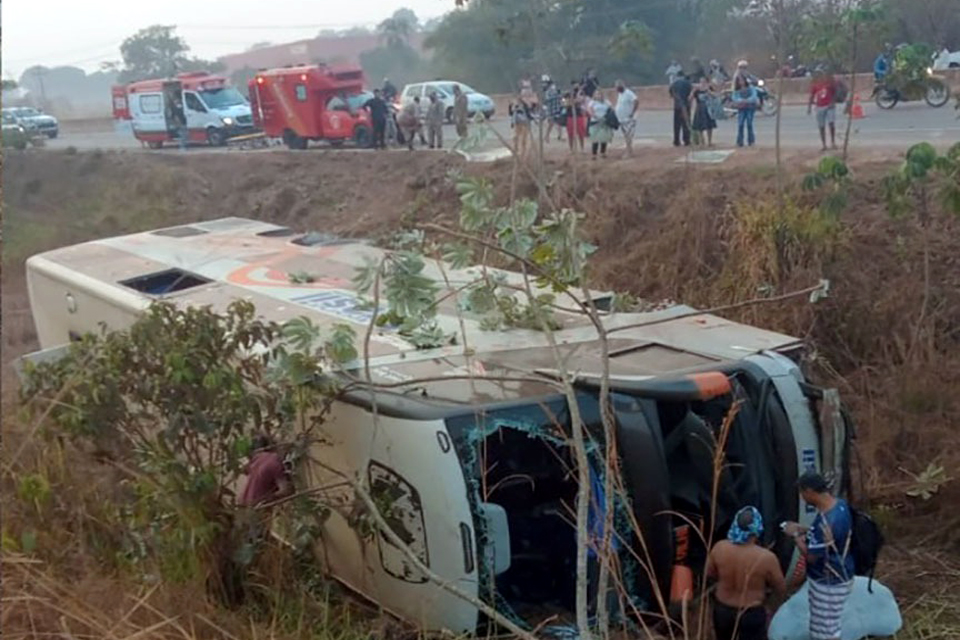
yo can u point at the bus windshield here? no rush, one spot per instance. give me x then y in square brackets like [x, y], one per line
[222, 98]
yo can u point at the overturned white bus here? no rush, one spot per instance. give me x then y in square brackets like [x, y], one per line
[483, 463]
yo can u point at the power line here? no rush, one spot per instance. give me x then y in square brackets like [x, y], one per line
[73, 52]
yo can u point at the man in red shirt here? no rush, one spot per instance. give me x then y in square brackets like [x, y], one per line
[266, 478]
[823, 94]
[267, 481]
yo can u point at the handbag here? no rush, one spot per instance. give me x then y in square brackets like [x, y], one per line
[610, 119]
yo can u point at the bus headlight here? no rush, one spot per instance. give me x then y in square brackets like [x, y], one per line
[228, 121]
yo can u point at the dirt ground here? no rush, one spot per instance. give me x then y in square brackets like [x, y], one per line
[707, 235]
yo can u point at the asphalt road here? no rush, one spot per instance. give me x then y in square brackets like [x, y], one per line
[900, 127]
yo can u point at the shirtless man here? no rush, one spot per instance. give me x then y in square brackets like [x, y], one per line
[745, 572]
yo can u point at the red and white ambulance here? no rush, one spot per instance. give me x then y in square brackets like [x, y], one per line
[312, 102]
[204, 105]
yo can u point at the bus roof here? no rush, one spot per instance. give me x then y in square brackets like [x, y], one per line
[216, 262]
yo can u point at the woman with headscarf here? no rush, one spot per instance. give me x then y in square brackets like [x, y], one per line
[745, 573]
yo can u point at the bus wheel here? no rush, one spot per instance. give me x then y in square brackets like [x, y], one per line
[154, 144]
[216, 137]
[361, 137]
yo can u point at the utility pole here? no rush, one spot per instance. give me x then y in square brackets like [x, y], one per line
[39, 73]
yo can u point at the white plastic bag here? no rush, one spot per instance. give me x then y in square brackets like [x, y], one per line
[865, 614]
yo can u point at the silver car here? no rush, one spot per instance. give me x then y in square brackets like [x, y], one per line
[35, 120]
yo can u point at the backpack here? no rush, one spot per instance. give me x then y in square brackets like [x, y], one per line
[610, 119]
[866, 541]
[840, 92]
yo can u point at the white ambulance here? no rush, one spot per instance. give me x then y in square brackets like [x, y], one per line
[204, 106]
[477, 441]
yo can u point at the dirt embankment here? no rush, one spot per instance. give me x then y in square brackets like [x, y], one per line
[707, 236]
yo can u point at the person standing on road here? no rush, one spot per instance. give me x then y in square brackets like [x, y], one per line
[823, 94]
[745, 572]
[746, 101]
[527, 94]
[703, 122]
[680, 91]
[409, 121]
[600, 132]
[697, 71]
[672, 72]
[520, 116]
[379, 112]
[553, 109]
[435, 115]
[460, 106]
[626, 111]
[718, 75]
[589, 83]
[575, 118]
[830, 564]
[389, 90]
[741, 78]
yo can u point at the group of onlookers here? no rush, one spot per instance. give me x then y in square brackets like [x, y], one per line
[413, 120]
[583, 112]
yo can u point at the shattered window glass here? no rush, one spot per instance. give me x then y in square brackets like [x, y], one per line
[400, 506]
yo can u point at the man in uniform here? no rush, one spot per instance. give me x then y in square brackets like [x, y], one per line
[379, 112]
[435, 113]
[409, 121]
[460, 111]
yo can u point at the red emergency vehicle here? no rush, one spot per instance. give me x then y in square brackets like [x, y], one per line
[312, 102]
[202, 106]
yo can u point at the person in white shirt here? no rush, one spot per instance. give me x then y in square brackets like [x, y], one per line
[600, 132]
[626, 111]
[673, 71]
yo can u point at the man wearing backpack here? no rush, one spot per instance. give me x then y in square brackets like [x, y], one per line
[830, 562]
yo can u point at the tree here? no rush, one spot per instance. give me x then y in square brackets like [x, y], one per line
[396, 30]
[401, 63]
[241, 77]
[924, 179]
[158, 52]
[9, 85]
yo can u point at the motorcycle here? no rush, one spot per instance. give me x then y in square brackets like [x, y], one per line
[932, 89]
[769, 104]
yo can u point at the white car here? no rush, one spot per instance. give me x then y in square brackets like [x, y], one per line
[476, 102]
[946, 59]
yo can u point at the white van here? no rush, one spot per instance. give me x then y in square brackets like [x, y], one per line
[483, 464]
[205, 106]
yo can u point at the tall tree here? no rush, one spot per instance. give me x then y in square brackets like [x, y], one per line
[158, 52]
[396, 30]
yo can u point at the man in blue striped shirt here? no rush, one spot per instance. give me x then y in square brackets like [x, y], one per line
[830, 564]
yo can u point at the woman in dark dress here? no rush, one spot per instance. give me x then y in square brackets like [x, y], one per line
[703, 122]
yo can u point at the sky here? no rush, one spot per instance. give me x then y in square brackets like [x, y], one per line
[84, 33]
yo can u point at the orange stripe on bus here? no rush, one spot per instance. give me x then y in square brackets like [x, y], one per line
[711, 384]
